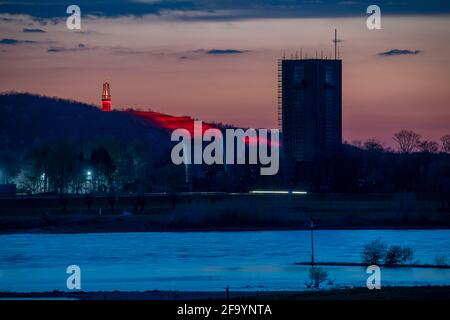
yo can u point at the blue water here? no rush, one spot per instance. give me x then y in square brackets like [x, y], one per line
[203, 261]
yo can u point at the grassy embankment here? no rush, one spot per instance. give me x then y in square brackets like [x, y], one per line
[220, 212]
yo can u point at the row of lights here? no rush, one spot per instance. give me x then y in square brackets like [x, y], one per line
[88, 175]
[277, 192]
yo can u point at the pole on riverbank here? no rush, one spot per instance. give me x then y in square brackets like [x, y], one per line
[311, 225]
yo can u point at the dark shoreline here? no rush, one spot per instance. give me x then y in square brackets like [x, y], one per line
[356, 264]
[204, 229]
[360, 293]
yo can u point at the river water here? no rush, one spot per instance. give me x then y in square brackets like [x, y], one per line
[207, 261]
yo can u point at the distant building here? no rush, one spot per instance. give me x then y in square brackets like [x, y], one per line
[310, 107]
[106, 98]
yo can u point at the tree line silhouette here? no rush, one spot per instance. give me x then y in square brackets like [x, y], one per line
[60, 146]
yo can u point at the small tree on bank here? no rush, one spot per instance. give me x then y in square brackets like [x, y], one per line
[377, 252]
[316, 277]
[396, 255]
[374, 252]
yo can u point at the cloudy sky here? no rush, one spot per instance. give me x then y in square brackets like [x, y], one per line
[216, 59]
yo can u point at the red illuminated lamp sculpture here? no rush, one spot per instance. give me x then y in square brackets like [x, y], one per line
[106, 98]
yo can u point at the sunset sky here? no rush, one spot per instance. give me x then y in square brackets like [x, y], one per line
[217, 60]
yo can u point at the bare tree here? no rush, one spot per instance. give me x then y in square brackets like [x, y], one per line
[407, 140]
[396, 255]
[373, 144]
[429, 146]
[374, 252]
[317, 275]
[445, 140]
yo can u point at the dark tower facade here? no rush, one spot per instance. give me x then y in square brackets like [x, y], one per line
[106, 98]
[310, 107]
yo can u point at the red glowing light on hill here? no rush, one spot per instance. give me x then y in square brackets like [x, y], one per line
[171, 123]
[106, 105]
[106, 98]
[261, 140]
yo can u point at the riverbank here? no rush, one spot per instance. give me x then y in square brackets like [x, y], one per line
[355, 264]
[220, 212]
[141, 226]
[132, 228]
[385, 293]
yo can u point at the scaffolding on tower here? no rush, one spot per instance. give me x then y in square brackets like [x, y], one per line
[280, 94]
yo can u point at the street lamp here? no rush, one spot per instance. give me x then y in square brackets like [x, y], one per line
[311, 226]
[88, 182]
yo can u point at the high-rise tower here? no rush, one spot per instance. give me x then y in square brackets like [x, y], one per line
[106, 98]
[310, 106]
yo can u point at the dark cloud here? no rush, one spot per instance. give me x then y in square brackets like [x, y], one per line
[132, 51]
[8, 19]
[201, 52]
[33, 30]
[7, 41]
[80, 47]
[55, 49]
[50, 9]
[182, 55]
[398, 52]
[223, 9]
[225, 51]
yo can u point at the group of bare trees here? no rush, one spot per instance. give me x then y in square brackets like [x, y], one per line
[414, 164]
[409, 141]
